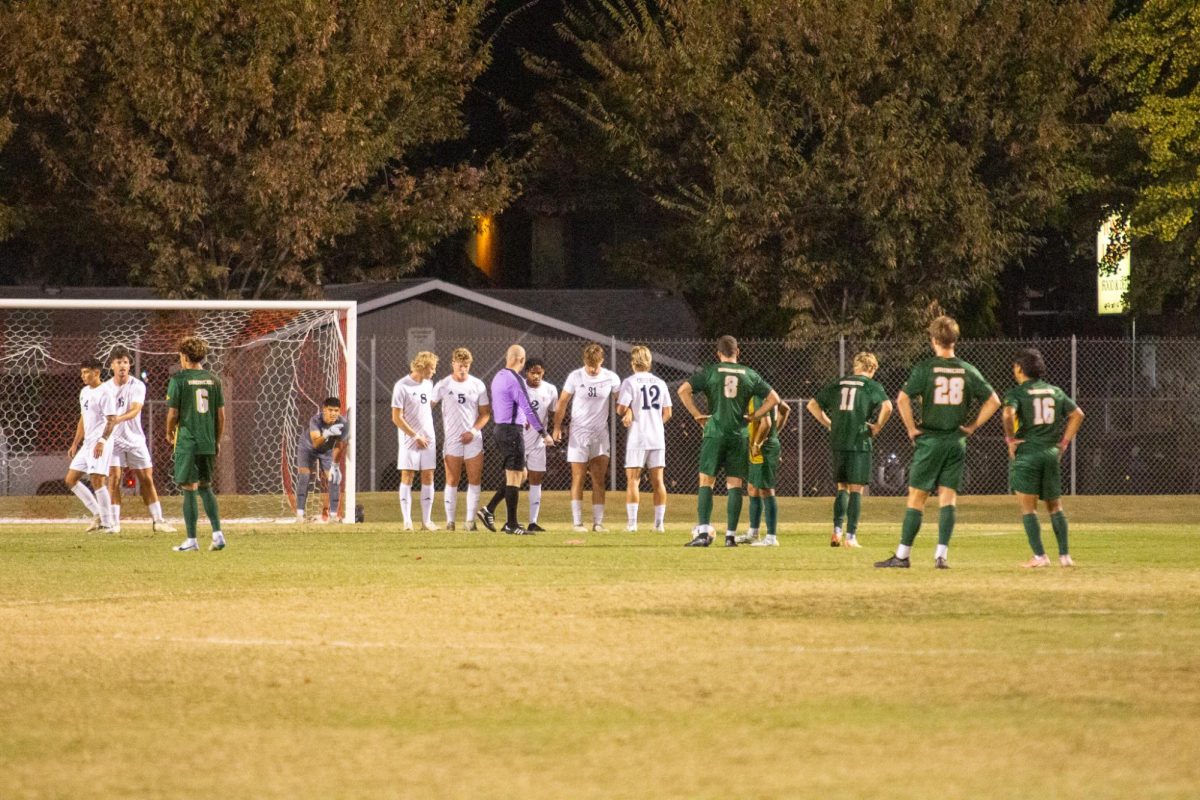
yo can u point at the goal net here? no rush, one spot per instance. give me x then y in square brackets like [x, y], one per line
[277, 363]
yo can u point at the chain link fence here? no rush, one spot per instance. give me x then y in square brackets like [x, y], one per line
[1142, 401]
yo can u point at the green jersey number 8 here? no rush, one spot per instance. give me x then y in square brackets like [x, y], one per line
[202, 401]
[731, 386]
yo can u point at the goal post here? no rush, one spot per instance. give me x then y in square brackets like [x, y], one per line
[278, 360]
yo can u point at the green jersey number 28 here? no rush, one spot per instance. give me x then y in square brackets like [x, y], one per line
[947, 391]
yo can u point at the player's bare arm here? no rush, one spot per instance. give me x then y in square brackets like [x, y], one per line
[666, 414]
[904, 407]
[481, 420]
[783, 413]
[990, 407]
[770, 402]
[819, 414]
[399, 421]
[78, 440]
[560, 411]
[1008, 419]
[218, 429]
[1074, 420]
[885, 413]
[172, 425]
[685, 397]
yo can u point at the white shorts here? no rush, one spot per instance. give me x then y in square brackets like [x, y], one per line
[583, 446]
[416, 460]
[454, 447]
[133, 455]
[86, 463]
[645, 459]
[535, 457]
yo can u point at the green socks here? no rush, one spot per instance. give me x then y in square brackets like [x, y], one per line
[756, 507]
[1033, 532]
[912, 524]
[1058, 521]
[190, 512]
[853, 511]
[733, 509]
[946, 524]
[704, 503]
[210, 507]
[839, 507]
[771, 513]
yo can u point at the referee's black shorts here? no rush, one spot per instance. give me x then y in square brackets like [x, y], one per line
[509, 439]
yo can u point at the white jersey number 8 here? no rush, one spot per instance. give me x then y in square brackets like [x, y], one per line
[731, 386]
[947, 391]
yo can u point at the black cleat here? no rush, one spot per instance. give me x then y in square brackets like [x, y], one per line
[515, 530]
[730, 541]
[487, 518]
[893, 562]
[533, 527]
[700, 540]
[940, 563]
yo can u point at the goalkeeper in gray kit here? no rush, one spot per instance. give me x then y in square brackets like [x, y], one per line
[322, 442]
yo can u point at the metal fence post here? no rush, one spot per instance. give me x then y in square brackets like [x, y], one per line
[800, 447]
[612, 419]
[841, 354]
[1074, 396]
[371, 383]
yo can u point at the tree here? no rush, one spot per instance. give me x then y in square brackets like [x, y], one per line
[1151, 61]
[230, 146]
[856, 164]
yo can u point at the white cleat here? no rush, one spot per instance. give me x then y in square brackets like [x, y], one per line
[579, 528]
[449, 526]
[408, 526]
[188, 546]
[1037, 561]
[429, 526]
[471, 527]
[851, 541]
[1065, 561]
[767, 541]
[598, 528]
[218, 542]
[162, 526]
[660, 528]
[113, 529]
[631, 528]
[96, 525]
[746, 538]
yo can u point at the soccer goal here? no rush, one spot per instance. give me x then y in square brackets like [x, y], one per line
[278, 361]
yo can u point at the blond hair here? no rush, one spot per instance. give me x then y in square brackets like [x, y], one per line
[865, 362]
[195, 348]
[944, 331]
[593, 355]
[424, 359]
[461, 356]
[640, 358]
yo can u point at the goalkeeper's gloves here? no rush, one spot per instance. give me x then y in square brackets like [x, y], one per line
[335, 474]
[334, 430]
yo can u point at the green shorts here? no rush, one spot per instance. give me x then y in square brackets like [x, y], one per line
[191, 467]
[852, 466]
[1036, 471]
[729, 451]
[938, 461]
[764, 475]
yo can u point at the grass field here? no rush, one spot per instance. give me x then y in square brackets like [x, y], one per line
[357, 661]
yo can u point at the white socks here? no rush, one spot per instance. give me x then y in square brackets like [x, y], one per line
[85, 496]
[155, 510]
[631, 510]
[104, 501]
[450, 499]
[577, 512]
[598, 513]
[941, 551]
[902, 550]
[535, 502]
[660, 515]
[115, 511]
[406, 502]
[472, 501]
[427, 503]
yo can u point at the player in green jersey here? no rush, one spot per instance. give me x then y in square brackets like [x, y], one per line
[765, 450]
[195, 420]
[845, 408]
[728, 387]
[1040, 422]
[947, 386]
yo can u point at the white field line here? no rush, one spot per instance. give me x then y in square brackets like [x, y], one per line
[135, 521]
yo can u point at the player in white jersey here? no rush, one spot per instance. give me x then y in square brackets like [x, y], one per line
[412, 414]
[129, 448]
[465, 412]
[86, 457]
[588, 392]
[644, 406]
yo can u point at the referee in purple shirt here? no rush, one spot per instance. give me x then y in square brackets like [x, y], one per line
[510, 410]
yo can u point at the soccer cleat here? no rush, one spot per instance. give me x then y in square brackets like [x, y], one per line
[449, 526]
[161, 526]
[515, 530]
[836, 539]
[747, 538]
[533, 527]
[940, 563]
[1037, 561]
[631, 528]
[188, 546]
[218, 543]
[598, 528]
[487, 518]
[894, 561]
[701, 539]
[96, 524]
[113, 529]
[579, 528]
[1065, 561]
[768, 541]
[321, 520]
[428, 526]
[471, 527]
[730, 540]
[660, 528]
[408, 526]
[851, 541]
